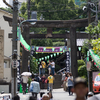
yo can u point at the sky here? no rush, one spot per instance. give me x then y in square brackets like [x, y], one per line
[3, 4]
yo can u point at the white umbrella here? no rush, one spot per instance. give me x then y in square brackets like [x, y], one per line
[26, 74]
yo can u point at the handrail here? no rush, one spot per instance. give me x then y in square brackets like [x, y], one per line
[61, 70]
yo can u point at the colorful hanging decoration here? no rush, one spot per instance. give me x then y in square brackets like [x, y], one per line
[51, 56]
[22, 41]
[95, 57]
[57, 53]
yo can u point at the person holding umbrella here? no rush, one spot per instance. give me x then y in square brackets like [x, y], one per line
[24, 80]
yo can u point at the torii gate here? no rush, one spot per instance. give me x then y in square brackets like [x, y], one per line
[72, 24]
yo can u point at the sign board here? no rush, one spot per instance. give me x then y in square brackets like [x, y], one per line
[18, 71]
[49, 49]
[67, 61]
[15, 64]
[89, 66]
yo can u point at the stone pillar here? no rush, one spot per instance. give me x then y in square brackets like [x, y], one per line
[74, 68]
[1, 54]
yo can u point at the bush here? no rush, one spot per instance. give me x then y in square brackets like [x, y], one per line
[82, 72]
[80, 63]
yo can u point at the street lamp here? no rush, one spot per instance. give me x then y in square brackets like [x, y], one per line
[31, 21]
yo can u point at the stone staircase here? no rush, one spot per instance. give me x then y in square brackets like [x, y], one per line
[57, 82]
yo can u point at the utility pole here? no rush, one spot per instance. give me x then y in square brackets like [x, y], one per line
[28, 9]
[14, 47]
[89, 37]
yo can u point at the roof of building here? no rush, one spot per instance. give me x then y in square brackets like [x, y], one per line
[5, 11]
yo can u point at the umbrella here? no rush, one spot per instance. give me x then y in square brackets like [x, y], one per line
[26, 74]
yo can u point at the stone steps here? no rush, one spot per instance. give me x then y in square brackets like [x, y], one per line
[57, 82]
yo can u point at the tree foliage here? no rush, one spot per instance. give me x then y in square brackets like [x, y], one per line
[93, 29]
[33, 65]
[52, 10]
[85, 47]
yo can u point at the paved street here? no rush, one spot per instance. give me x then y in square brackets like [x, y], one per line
[58, 94]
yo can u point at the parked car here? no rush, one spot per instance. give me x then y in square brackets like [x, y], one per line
[96, 84]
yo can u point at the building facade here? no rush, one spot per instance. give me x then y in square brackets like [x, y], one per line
[7, 52]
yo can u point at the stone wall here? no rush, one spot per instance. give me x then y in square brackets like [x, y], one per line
[1, 54]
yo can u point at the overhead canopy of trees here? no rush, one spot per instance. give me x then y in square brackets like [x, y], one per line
[52, 10]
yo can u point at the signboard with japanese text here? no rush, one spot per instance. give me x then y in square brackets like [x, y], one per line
[67, 61]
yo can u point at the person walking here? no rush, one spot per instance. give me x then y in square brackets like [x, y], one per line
[24, 80]
[49, 67]
[40, 69]
[34, 88]
[43, 67]
[70, 83]
[53, 67]
[43, 78]
[50, 79]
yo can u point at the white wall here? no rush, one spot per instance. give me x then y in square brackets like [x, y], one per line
[7, 74]
[7, 42]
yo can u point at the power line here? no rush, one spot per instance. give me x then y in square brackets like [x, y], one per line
[55, 10]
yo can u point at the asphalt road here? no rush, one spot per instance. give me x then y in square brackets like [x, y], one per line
[58, 94]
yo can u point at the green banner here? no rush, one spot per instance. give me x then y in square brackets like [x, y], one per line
[22, 41]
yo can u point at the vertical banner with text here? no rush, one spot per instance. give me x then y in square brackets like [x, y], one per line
[67, 61]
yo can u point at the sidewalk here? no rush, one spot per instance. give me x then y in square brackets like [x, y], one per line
[58, 94]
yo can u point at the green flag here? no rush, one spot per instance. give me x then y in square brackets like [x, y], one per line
[48, 57]
[51, 56]
[79, 48]
[42, 58]
[57, 53]
[44, 49]
[54, 54]
[53, 49]
[60, 49]
[37, 48]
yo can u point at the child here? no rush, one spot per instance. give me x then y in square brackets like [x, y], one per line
[80, 88]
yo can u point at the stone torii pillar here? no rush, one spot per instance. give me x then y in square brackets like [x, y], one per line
[74, 68]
